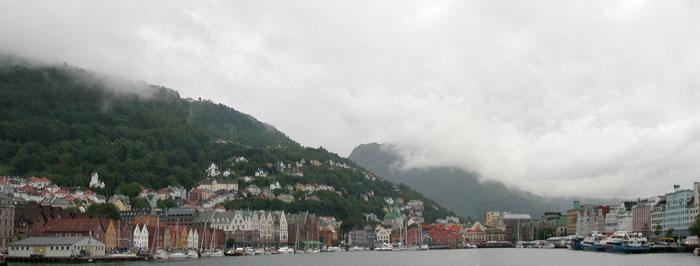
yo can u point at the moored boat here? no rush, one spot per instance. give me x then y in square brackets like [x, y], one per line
[636, 243]
[594, 242]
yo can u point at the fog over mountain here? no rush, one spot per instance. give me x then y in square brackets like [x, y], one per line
[560, 98]
[464, 192]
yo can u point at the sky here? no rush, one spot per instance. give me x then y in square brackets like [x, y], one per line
[562, 98]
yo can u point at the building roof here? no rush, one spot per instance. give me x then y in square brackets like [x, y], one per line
[45, 241]
[73, 225]
[516, 216]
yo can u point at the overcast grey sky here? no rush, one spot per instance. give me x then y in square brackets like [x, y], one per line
[597, 98]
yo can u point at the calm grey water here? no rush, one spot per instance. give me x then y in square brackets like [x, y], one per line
[462, 257]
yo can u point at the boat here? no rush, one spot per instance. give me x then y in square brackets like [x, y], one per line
[160, 254]
[557, 242]
[574, 242]
[192, 254]
[217, 253]
[615, 242]
[384, 247]
[205, 253]
[177, 255]
[636, 243]
[594, 242]
[249, 251]
[283, 250]
[259, 251]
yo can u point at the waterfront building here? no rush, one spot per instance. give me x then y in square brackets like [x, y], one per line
[475, 234]
[303, 229]
[383, 234]
[30, 218]
[193, 239]
[181, 216]
[678, 210]
[57, 247]
[591, 218]
[493, 219]
[444, 235]
[514, 227]
[358, 237]
[7, 220]
[414, 232]
[657, 215]
[75, 227]
[572, 217]
[641, 216]
[140, 238]
[611, 219]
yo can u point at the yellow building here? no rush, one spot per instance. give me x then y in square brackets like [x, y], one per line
[494, 219]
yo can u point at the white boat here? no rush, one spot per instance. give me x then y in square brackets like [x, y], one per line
[177, 255]
[160, 254]
[217, 253]
[636, 243]
[192, 254]
[205, 254]
[260, 251]
[249, 251]
[424, 247]
[384, 247]
[283, 250]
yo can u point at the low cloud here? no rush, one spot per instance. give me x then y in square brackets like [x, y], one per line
[594, 98]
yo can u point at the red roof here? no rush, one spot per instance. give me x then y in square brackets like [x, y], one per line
[73, 225]
[40, 179]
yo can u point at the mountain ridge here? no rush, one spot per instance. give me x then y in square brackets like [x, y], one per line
[464, 192]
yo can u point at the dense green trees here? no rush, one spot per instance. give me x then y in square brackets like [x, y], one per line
[65, 123]
[107, 210]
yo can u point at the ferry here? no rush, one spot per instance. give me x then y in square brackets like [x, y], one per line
[636, 243]
[615, 243]
[574, 242]
[594, 242]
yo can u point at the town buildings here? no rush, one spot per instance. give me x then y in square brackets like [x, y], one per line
[679, 208]
[7, 220]
[57, 247]
[514, 227]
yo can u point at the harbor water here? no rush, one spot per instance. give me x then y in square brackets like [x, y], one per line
[462, 257]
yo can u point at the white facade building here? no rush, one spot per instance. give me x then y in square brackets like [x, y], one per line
[140, 237]
[57, 247]
[95, 181]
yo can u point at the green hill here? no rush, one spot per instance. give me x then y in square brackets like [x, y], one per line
[64, 123]
[461, 191]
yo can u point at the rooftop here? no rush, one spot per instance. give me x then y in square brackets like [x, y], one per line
[44, 241]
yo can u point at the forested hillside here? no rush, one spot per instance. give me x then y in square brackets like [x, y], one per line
[461, 191]
[65, 123]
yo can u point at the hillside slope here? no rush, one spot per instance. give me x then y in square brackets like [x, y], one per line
[64, 123]
[455, 189]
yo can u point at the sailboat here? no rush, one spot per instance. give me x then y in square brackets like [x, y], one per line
[158, 253]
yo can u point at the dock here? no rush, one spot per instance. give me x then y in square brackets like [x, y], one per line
[76, 260]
